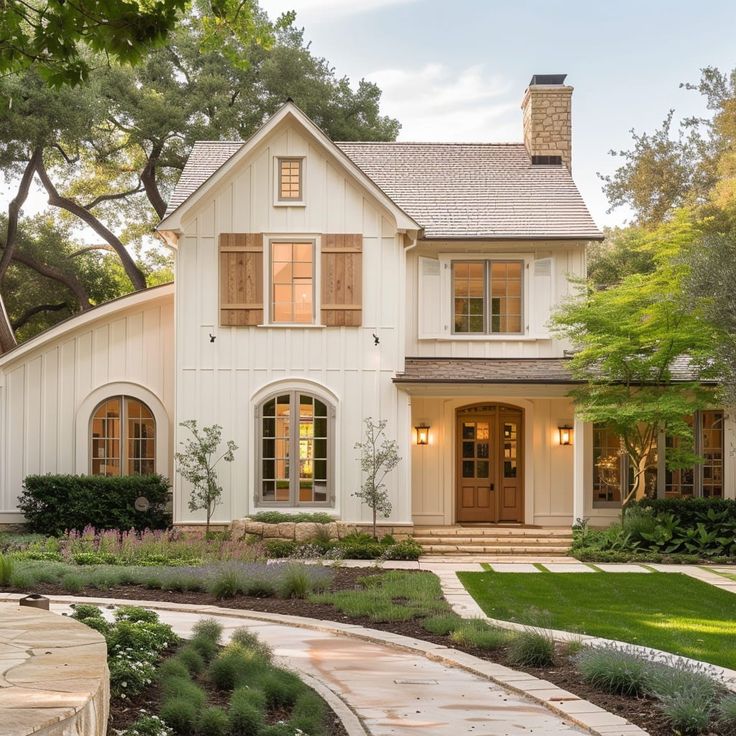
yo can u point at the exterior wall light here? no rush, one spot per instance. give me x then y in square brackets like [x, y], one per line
[422, 431]
[566, 434]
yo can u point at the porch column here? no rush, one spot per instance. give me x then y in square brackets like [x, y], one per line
[578, 472]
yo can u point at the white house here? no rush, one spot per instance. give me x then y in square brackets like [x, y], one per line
[320, 283]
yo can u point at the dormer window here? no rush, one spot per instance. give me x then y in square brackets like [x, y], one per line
[290, 180]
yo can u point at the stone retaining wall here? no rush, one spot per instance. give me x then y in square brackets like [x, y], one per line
[306, 530]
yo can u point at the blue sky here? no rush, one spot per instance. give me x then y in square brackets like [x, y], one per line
[456, 71]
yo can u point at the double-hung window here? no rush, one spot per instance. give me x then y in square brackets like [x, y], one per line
[487, 297]
[292, 282]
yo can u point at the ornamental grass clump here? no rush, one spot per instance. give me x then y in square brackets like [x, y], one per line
[183, 688]
[309, 713]
[477, 633]
[441, 624]
[180, 714]
[213, 721]
[281, 688]
[532, 648]
[614, 669]
[687, 712]
[191, 659]
[6, 570]
[248, 640]
[726, 714]
[235, 666]
[206, 635]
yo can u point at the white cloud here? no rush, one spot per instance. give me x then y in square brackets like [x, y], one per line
[324, 10]
[433, 103]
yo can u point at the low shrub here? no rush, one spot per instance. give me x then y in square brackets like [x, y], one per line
[532, 648]
[280, 548]
[613, 669]
[173, 667]
[259, 587]
[246, 716]
[295, 582]
[281, 688]
[726, 711]
[477, 633]
[279, 517]
[72, 582]
[309, 714]
[213, 721]
[180, 714]
[183, 688]
[687, 712]
[129, 674]
[234, 667]
[208, 629]
[442, 624]
[248, 640]
[135, 614]
[251, 695]
[226, 585]
[83, 611]
[148, 725]
[6, 570]
[191, 659]
[54, 503]
[406, 549]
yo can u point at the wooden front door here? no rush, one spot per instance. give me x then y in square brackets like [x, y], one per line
[489, 482]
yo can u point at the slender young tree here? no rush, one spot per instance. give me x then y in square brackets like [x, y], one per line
[378, 457]
[197, 464]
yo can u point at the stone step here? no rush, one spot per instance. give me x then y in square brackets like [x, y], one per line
[499, 541]
[493, 531]
[460, 549]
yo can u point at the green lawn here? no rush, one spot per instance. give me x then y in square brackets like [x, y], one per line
[668, 611]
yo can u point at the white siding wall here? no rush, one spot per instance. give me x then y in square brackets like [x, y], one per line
[568, 259]
[43, 389]
[217, 382]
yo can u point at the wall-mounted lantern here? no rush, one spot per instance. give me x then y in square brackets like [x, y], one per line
[566, 434]
[422, 431]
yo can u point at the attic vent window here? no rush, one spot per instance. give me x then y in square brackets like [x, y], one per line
[290, 179]
[546, 160]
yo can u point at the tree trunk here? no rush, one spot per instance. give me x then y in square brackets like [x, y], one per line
[7, 337]
[55, 199]
[640, 485]
[148, 177]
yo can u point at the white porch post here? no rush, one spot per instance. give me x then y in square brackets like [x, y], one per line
[578, 473]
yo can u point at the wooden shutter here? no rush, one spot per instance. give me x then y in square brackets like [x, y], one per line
[542, 297]
[429, 301]
[342, 280]
[241, 279]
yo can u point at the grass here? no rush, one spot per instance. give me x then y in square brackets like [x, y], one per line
[667, 611]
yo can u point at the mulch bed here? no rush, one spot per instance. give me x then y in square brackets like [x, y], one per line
[641, 711]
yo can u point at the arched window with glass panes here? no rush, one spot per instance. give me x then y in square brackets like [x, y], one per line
[122, 438]
[295, 450]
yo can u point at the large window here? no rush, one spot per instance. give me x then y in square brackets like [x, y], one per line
[122, 438]
[610, 465]
[295, 455]
[292, 282]
[487, 297]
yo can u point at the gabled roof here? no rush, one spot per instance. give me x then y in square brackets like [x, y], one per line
[213, 161]
[452, 190]
[477, 190]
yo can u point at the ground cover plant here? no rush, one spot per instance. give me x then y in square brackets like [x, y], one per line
[666, 611]
[234, 690]
[357, 546]
[685, 530]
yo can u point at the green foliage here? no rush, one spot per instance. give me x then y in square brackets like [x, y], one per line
[279, 517]
[191, 659]
[442, 624]
[281, 688]
[295, 582]
[176, 688]
[84, 611]
[197, 463]
[378, 457]
[727, 714]
[246, 718]
[135, 614]
[207, 629]
[148, 725]
[279, 548]
[627, 339]
[309, 714]
[687, 712]
[477, 633]
[406, 549]
[55, 503]
[6, 570]
[172, 668]
[613, 669]
[532, 648]
[213, 721]
[180, 714]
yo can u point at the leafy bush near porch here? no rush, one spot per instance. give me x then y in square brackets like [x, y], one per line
[352, 547]
[53, 504]
[279, 517]
[686, 529]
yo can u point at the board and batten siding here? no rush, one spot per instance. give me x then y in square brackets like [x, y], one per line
[222, 381]
[126, 344]
[429, 304]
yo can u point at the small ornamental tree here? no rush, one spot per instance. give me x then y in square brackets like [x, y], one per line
[197, 464]
[378, 457]
[628, 339]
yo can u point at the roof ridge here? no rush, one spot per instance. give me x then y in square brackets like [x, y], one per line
[429, 143]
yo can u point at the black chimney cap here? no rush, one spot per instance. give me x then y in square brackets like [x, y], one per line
[548, 79]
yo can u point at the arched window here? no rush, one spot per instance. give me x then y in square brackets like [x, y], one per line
[295, 450]
[122, 438]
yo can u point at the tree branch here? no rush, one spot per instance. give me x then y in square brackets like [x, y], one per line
[56, 200]
[110, 197]
[33, 311]
[148, 177]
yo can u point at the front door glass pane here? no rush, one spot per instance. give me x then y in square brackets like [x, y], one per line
[106, 445]
[711, 426]
[510, 448]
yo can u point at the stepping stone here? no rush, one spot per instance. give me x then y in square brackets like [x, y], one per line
[568, 567]
[615, 567]
[513, 567]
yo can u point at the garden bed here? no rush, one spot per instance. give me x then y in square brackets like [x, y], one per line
[411, 606]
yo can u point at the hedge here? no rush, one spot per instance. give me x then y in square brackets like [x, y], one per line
[53, 504]
[690, 511]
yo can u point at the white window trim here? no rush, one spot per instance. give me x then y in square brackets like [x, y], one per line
[277, 201]
[446, 260]
[269, 240]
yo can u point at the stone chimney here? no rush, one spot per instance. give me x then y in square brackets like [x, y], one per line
[547, 108]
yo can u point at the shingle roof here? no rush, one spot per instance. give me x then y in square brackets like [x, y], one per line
[507, 370]
[476, 190]
[453, 190]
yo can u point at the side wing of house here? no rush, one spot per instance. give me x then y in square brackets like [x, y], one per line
[92, 395]
[290, 324]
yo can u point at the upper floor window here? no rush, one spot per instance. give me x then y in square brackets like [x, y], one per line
[290, 180]
[292, 282]
[295, 455]
[122, 438]
[487, 296]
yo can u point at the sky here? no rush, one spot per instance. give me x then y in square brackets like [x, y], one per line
[456, 71]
